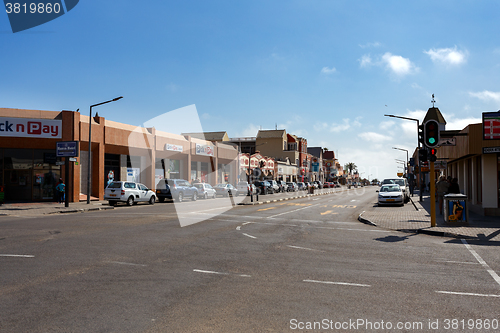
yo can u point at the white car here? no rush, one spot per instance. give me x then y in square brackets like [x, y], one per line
[390, 194]
[402, 183]
[128, 192]
[205, 190]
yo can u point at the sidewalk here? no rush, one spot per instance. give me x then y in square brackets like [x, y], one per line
[409, 219]
[43, 208]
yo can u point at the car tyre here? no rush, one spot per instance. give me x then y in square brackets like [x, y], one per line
[161, 199]
[152, 200]
[130, 201]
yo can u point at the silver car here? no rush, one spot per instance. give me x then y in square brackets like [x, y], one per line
[390, 194]
[128, 192]
[205, 190]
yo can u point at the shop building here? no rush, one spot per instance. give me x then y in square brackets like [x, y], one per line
[29, 168]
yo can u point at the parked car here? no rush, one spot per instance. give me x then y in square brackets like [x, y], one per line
[390, 194]
[205, 190]
[245, 187]
[175, 189]
[264, 187]
[283, 186]
[275, 186]
[129, 192]
[301, 186]
[402, 182]
[327, 185]
[318, 183]
[226, 190]
[292, 187]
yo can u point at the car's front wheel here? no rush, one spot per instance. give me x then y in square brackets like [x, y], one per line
[130, 201]
[152, 200]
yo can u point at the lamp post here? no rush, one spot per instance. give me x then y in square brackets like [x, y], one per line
[406, 155]
[418, 141]
[89, 172]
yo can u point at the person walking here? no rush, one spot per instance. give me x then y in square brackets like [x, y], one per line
[442, 189]
[454, 187]
[61, 189]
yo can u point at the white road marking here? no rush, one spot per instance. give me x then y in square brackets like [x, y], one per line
[354, 200]
[249, 235]
[303, 248]
[482, 262]
[272, 216]
[238, 228]
[126, 263]
[316, 199]
[339, 283]
[17, 255]
[246, 223]
[459, 262]
[466, 294]
[219, 273]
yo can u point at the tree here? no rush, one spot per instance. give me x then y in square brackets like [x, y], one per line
[350, 166]
[325, 150]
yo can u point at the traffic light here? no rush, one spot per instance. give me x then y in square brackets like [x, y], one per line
[422, 155]
[431, 133]
[432, 156]
[421, 135]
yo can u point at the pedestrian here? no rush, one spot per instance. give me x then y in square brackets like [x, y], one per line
[454, 187]
[441, 189]
[61, 189]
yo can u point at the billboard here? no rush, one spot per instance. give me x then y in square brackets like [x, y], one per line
[491, 125]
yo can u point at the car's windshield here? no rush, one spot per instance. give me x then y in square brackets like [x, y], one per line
[115, 185]
[390, 188]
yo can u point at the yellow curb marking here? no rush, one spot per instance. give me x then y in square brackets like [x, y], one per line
[259, 210]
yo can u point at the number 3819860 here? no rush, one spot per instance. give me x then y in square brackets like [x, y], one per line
[32, 8]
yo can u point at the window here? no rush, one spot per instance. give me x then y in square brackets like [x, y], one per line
[129, 185]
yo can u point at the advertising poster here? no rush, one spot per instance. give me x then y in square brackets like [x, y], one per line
[456, 211]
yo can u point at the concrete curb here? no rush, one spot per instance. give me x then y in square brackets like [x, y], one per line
[282, 199]
[365, 221]
[80, 210]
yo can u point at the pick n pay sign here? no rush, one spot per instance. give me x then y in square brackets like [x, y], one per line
[25, 15]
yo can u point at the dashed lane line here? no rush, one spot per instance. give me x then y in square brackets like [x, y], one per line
[17, 255]
[248, 235]
[466, 294]
[304, 248]
[339, 283]
[219, 273]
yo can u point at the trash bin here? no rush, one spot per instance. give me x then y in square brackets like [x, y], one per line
[455, 208]
[311, 189]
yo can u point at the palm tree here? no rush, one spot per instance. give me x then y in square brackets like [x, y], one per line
[350, 166]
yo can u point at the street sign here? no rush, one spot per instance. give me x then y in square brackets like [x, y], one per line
[448, 142]
[67, 149]
[72, 159]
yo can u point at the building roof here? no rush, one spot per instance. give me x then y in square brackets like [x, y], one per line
[329, 155]
[434, 114]
[209, 136]
[315, 151]
[270, 134]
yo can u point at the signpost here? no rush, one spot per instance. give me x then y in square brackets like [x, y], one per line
[68, 150]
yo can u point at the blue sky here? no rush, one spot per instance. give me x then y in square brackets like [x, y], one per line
[324, 70]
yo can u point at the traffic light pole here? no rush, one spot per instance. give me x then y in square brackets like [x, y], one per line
[433, 195]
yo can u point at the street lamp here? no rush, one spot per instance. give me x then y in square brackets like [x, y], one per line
[406, 154]
[418, 141]
[89, 172]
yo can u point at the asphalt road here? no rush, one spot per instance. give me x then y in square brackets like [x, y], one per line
[268, 268]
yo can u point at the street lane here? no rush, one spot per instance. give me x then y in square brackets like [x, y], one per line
[135, 269]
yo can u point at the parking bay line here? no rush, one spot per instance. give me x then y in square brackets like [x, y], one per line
[481, 261]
